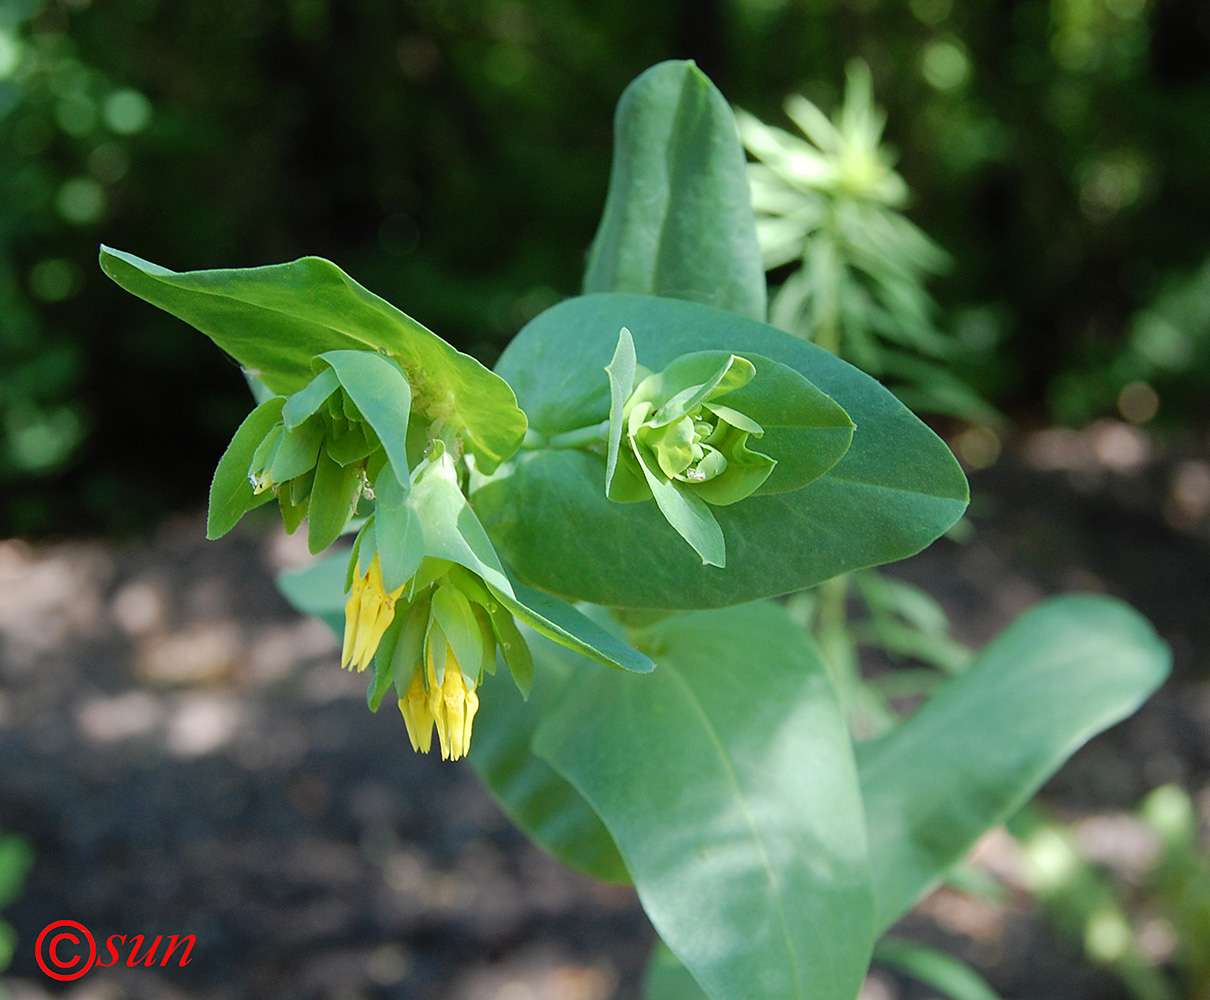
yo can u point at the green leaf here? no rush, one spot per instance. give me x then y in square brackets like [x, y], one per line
[333, 496]
[452, 612]
[678, 220]
[273, 320]
[399, 538]
[895, 490]
[297, 452]
[727, 781]
[514, 649]
[318, 589]
[989, 738]
[380, 391]
[621, 382]
[667, 979]
[540, 802]
[309, 400]
[558, 620]
[934, 968]
[451, 529]
[231, 493]
[690, 517]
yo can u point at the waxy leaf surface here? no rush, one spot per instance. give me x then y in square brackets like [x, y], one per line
[678, 220]
[539, 801]
[985, 742]
[273, 320]
[896, 489]
[727, 781]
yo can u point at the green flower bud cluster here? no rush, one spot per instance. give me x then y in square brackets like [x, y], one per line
[693, 437]
[318, 450]
[432, 640]
[683, 436]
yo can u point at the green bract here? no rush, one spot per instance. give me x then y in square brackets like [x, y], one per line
[682, 436]
[273, 320]
[886, 495]
[318, 450]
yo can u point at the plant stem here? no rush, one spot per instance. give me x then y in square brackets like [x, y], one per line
[578, 438]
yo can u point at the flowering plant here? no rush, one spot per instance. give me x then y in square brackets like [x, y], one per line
[667, 724]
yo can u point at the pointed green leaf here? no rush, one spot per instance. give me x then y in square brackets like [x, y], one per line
[231, 494]
[380, 683]
[558, 620]
[621, 382]
[399, 538]
[726, 775]
[689, 516]
[451, 529]
[678, 220]
[731, 374]
[934, 968]
[309, 400]
[333, 496]
[514, 649]
[297, 452]
[985, 742]
[453, 613]
[383, 397]
[273, 320]
[895, 489]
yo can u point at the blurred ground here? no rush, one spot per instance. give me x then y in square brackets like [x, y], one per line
[186, 758]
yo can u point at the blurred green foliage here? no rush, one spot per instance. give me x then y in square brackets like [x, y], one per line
[452, 155]
[16, 858]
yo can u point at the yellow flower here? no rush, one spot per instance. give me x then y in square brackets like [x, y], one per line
[368, 612]
[452, 706]
[414, 706]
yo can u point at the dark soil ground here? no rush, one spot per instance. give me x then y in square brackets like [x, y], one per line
[185, 758]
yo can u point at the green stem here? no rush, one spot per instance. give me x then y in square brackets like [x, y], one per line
[579, 438]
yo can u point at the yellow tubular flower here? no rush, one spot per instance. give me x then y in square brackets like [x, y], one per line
[414, 706]
[368, 612]
[452, 705]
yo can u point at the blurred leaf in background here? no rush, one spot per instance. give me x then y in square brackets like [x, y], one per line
[830, 203]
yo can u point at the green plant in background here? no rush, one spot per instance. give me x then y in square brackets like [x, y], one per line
[830, 203]
[668, 725]
[1149, 928]
[16, 858]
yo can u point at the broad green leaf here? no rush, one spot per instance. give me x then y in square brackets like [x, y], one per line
[667, 979]
[381, 393]
[558, 620]
[678, 220]
[543, 804]
[896, 489]
[726, 779]
[988, 739]
[942, 972]
[273, 320]
[231, 494]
